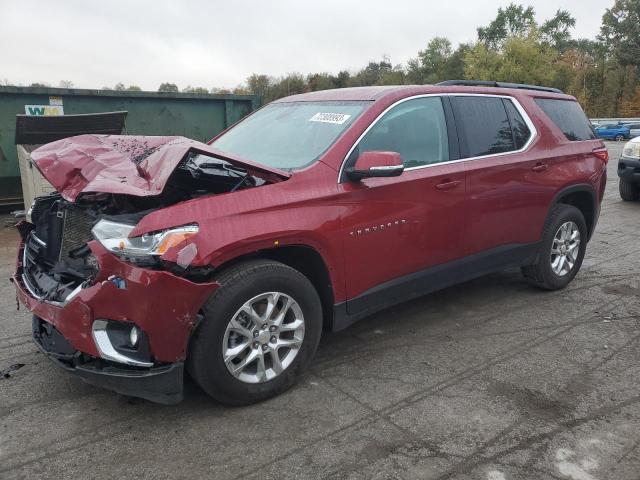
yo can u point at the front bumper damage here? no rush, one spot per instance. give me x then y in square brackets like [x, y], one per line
[162, 305]
[162, 384]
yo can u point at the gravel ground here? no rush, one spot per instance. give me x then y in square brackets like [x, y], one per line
[487, 380]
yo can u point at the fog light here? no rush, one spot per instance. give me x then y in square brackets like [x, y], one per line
[121, 342]
[133, 336]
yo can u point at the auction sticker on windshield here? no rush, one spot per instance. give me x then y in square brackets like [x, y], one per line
[338, 118]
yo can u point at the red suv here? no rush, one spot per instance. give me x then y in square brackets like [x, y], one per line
[229, 258]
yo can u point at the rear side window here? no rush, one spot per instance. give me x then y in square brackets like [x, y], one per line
[568, 117]
[485, 125]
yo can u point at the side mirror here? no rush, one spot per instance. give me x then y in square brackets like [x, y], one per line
[376, 164]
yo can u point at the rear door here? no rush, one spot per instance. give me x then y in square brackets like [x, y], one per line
[506, 186]
[398, 226]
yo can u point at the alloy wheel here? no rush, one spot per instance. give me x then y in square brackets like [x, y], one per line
[565, 248]
[263, 337]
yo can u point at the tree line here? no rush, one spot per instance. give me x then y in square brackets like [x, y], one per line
[602, 73]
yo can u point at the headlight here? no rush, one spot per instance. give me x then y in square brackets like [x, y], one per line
[114, 237]
[631, 149]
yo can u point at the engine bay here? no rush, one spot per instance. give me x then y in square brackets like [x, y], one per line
[57, 260]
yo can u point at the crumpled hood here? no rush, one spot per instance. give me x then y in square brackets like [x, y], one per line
[126, 164]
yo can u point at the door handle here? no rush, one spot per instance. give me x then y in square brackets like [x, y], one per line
[540, 167]
[448, 184]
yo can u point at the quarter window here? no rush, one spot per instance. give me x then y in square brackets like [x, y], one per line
[416, 129]
[485, 125]
[568, 117]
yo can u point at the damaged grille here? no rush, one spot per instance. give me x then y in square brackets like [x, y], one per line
[76, 231]
[56, 260]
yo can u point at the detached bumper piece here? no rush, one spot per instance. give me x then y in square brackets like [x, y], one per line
[162, 384]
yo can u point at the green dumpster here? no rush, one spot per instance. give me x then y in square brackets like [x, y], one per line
[193, 115]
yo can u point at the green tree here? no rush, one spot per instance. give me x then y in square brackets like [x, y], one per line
[435, 57]
[437, 62]
[621, 31]
[320, 81]
[523, 59]
[168, 87]
[342, 79]
[510, 21]
[190, 89]
[557, 30]
[372, 74]
[631, 106]
[290, 84]
[134, 88]
[260, 84]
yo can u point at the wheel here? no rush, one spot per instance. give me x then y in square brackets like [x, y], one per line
[564, 241]
[619, 138]
[629, 191]
[260, 329]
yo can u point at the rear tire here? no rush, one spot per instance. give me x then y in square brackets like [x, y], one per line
[551, 272]
[629, 191]
[619, 138]
[220, 333]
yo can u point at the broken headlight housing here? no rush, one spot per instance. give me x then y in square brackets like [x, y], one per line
[114, 236]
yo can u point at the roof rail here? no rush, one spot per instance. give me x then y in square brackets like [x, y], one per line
[489, 83]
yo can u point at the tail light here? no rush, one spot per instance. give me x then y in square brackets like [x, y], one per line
[602, 153]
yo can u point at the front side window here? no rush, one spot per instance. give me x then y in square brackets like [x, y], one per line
[290, 135]
[485, 125]
[416, 129]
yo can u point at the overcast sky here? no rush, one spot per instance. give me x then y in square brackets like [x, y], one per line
[215, 43]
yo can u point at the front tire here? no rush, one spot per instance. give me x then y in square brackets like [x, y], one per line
[562, 249]
[629, 191]
[619, 138]
[261, 328]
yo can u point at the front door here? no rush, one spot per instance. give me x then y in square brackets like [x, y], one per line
[399, 226]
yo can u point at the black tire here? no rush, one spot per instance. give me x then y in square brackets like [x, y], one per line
[541, 274]
[629, 191]
[238, 284]
[619, 138]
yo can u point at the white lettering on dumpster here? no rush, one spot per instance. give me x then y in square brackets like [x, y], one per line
[44, 110]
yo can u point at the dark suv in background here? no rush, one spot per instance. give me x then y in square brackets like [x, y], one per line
[229, 258]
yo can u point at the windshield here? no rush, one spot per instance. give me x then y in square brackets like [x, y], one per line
[289, 135]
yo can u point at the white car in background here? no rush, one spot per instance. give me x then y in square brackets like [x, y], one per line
[634, 128]
[629, 170]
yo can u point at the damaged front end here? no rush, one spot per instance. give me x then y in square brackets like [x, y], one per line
[106, 305]
[56, 260]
